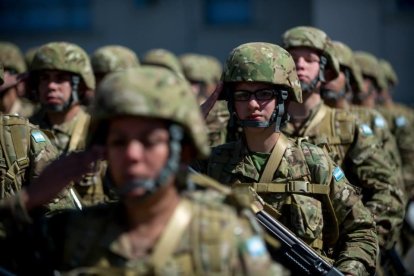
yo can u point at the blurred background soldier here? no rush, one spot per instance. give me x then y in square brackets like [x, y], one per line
[150, 129]
[351, 144]
[203, 73]
[12, 100]
[61, 74]
[112, 58]
[163, 58]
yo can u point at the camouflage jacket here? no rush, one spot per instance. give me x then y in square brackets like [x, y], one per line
[355, 148]
[401, 122]
[215, 239]
[305, 186]
[90, 188]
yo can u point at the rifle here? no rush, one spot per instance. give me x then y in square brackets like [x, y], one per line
[294, 253]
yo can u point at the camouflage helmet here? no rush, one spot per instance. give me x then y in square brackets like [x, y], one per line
[201, 68]
[29, 55]
[113, 58]
[12, 57]
[263, 62]
[370, 67]
[389, 72]
[154, 92]
[164, 58]
[64, 56]
[345, 57]
[310, 37]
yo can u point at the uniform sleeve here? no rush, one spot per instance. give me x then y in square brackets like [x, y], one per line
[42, 152]
[356, 250]
[254, 258]
[371, 169]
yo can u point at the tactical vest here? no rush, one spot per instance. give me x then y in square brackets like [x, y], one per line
[295, 192]
[15, 145]
[334, 128]
[196, 223]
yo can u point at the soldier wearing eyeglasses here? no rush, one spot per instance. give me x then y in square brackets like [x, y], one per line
[298, 182]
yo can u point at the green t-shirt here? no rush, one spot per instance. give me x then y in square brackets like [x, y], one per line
[259, 159]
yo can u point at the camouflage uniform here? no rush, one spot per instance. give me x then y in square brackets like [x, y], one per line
[351, 145]
[112, 58]
[304, 189]
[202, 237]
[203, 70]
[69, 136]
[14, 64]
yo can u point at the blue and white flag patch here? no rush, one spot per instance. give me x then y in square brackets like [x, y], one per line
[379, 122]
[255, 247]
[338, 173]
[366, 130]
[400, 121]
[38, 137]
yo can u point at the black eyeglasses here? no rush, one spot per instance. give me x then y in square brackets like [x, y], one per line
[260, 95]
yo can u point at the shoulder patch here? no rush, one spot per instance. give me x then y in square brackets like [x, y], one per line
[255, 246]
[366, 130]
[38, 136]
[400, 121]
[379, 122]
[338, 173]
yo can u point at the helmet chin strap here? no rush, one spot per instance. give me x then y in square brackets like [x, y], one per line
[151, 186]
[276, 117]
[311, 87]
[74, 98]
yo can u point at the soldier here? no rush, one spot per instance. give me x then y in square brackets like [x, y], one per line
[338, 93]
[351, 144]
[61, 74]
[110, 59]
[163, 58]
[299, 183]
[13, 89]
[203, 73]
[150, 129]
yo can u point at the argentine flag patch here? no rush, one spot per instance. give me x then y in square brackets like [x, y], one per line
[366, 130]
[338, 173]
[255, 246]
[379, 122]
[38, 137]
[400, 121]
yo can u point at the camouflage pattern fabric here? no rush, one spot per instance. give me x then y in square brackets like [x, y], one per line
[310, 37]
[66, 57]
[90, 188]
[135, 95]
[206, 71]
[23, 107]
[370, 67]
[113, 58]
[354, 147]
[218, 240]
[163, 58]
[12, 58]
[302, 210]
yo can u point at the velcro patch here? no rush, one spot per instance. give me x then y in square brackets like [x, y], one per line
[366, 130]
[400, 121]
[255, 246]
[338, 173]
[38, 137]
[379, 122]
